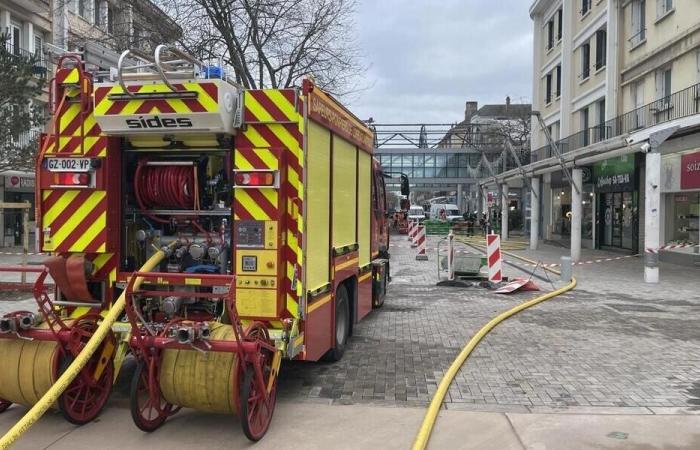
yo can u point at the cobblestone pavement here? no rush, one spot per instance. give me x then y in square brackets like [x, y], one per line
[612, 345]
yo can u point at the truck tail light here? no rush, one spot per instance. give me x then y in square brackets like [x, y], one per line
[72, 179]
[254, 178]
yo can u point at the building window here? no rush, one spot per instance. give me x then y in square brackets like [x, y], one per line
[38, 44]
[637, 91]
[663, 84]
[638, 22]
[550, 34]
[85, 8]
[548, 92]
[110, 19]
[585, 7]
[585, 126]
[585, 60]
[663, 7]
[600, 133]
[600, 48]
[560, 25]
[15, 39]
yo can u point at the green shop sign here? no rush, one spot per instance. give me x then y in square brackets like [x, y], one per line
[615, 174]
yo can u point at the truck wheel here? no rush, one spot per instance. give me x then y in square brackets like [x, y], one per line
[342, 325]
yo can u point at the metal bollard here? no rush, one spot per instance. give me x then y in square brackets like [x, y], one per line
[565, 265]
[451, 256]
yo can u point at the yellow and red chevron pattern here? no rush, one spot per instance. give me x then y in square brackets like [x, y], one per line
[206, 100]
[275, 127]
[74, 220]
[77, 133]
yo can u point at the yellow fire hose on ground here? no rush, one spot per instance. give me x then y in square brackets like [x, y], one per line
[78, 364]
[421, 441]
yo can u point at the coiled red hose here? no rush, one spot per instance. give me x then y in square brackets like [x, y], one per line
[164, 187]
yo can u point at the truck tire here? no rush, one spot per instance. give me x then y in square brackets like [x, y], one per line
[342, 325]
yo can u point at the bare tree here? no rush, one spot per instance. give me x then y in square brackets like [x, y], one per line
[274, 43]
[22, 78]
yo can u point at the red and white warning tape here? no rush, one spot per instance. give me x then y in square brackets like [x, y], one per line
[671, 246]
[20, 254]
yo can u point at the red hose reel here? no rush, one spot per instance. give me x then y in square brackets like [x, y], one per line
[163, 185]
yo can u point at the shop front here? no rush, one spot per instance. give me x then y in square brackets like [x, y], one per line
[561, 207]
[681, 189]
[18, 187]
[616, 186]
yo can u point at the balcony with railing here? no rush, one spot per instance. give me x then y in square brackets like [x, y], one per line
[39, 60]
[678, 105]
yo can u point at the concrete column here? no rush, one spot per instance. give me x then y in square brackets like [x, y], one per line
[568, 72]
[460, 201]
[534, 212]
[547, 205]
[652, 206]
[576, 213]
[479, 203]
[504, 212]
[5, 21]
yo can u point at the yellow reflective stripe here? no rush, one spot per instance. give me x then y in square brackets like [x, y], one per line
[77, 217]
[364, 277]
[241, 162]
[255, 138]
[282, 103]
[131, 107]
[346, 264]
[209, 104]
[250, 205]
[318, 303]
[68, 116]
[72, 77]
[292, 306]
[101, 260]
[257, 109]
[58, 207]
[268, 158]
[270, 195]
[87, 237]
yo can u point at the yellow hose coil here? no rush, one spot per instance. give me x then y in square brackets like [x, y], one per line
[29, 369]
[203, 381]
[421, 441]
[80, 361]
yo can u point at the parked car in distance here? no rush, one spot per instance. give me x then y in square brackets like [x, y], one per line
[416, 213]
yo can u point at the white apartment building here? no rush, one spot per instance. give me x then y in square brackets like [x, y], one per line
[616, 84]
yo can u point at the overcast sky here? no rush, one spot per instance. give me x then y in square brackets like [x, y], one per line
[427, 57]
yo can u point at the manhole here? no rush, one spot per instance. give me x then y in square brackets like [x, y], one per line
[634, 308]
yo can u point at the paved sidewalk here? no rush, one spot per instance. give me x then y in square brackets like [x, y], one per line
[312, 426]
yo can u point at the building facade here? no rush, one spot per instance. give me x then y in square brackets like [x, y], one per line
[449, 160]
[101, 29]
[615, 83]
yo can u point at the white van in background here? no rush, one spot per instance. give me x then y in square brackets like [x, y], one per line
[451, 212]
[416, 213]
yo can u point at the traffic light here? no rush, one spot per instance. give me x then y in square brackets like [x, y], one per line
[404, 185]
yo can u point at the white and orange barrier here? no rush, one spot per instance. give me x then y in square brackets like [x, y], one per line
[420, 243]
[412, 234]
[411, 226]
[493, 257]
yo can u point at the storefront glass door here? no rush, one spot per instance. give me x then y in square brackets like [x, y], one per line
[619, 211]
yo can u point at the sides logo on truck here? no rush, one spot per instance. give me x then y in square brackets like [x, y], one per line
[156, 123]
